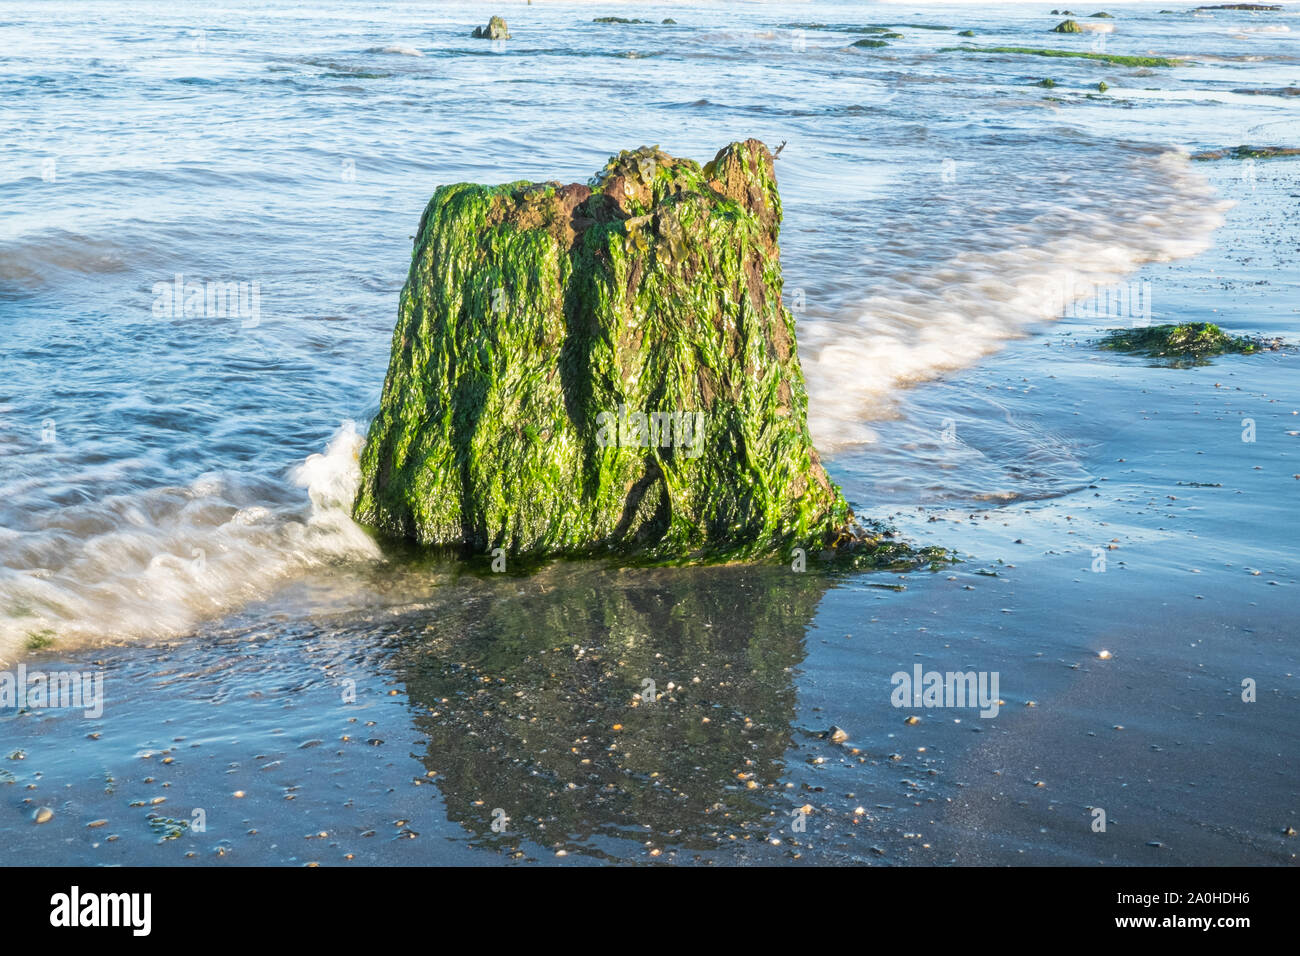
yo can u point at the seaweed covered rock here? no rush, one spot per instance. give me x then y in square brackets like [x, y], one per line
[1192, 340]
[1067, 26]
[602, 368]
[496, 29]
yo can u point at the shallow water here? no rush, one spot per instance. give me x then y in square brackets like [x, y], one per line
[185, 477]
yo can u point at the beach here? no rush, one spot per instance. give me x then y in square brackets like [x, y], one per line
[280, 688]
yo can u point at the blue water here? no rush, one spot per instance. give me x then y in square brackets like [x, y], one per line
[936, 205]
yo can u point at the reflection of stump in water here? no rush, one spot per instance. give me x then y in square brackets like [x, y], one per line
[517, 719]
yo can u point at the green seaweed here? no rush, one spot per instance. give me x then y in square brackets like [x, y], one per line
[1191, 340]
[1247, 152]
[870, 44]
[39, 640]
[1113, 58]
[880, 29]
[538, 320]
[1048, 83]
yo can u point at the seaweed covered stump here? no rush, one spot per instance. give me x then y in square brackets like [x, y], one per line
[603, 369]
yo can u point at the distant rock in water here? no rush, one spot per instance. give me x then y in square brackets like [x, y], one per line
[495, 30]
[1067, 26]
[603, 368]
[1241, 6]
[620, 20]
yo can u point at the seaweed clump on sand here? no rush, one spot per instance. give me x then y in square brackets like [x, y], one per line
[1247, 152]
[1191, 340]
[605, 369]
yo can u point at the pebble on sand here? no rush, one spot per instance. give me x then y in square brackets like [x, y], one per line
[43, 815]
